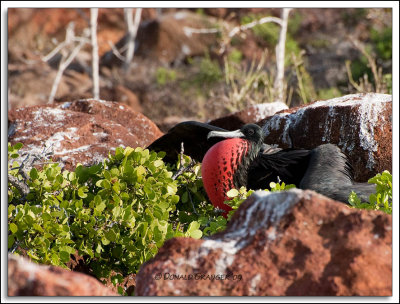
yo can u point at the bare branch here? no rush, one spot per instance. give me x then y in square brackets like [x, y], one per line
[69, 36]
[20, 185]
[371, 62]
[115, 51]
[244, 27]
[95, 52]
[64, 63]
[182, 168]
[190, 30]
[133, 27]
[280, 55]
[350, 76]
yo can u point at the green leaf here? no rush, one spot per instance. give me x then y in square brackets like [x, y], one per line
[232, 193]
[100, 207]
[110, 235]
[38, 227]
[64, 256]
[68, 249]
[11, 241]
[18, 146]
[13, 228]
[34, 174]
[99, 249]
[82, 191]
[158, 163]
[196, 234]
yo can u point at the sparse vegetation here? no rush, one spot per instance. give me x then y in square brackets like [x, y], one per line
[382, 199]
[165, 76]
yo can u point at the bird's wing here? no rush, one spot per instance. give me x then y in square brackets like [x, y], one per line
[193, 134]
[288, 164]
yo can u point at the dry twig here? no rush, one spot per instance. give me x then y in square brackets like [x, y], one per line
[95, 52]
[133, 27]
[182, 167]
[280, 55]
[65, 61]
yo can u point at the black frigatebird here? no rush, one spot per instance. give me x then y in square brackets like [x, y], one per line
[231, 159]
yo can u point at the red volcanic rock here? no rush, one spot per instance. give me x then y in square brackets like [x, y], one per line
[82, 131]
[29, 279]
[250, 115]
[359, 124]
[292, 243]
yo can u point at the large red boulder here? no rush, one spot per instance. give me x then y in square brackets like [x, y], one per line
[82, 131]
[292, 243]
[360, 124]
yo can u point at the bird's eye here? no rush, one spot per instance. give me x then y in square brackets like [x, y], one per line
[251, 132]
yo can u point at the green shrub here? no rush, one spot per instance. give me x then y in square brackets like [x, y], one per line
[209, 71]
[116, 214]
[382, 199]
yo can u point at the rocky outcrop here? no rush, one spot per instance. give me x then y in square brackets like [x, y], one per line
[26, 278]
[82, 131]
[360, 124]
[250, 115]
[294, 243]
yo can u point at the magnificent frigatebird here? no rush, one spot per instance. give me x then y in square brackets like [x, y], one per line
[231, 159]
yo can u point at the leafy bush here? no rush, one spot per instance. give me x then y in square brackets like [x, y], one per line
[382, 199]
[115, 214]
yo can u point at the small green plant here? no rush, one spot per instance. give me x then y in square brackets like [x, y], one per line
[206, 74]
[164, 76]
[328, 93]
[247, 85]
[305, 89]
[209, 71]
[235, 56]
[382, 199]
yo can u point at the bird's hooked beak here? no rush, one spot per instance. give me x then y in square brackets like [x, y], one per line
[224, 134]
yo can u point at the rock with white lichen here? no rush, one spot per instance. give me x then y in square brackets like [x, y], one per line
[359, 124]
[81, 131]
[293, 243]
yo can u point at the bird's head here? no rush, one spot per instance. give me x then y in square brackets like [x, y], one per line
[250, 132]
